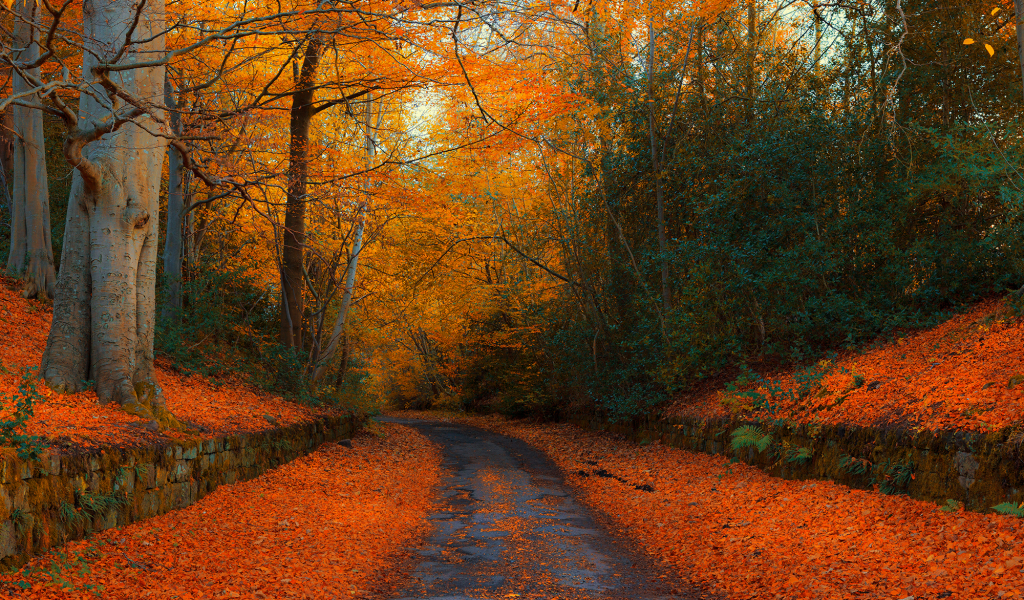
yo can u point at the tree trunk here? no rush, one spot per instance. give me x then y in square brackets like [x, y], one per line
[817, 37]
[357, 248]
[752, 55]
[175, 208]
[1018, 5]
[302, 112]
[104, 310]
[7, 156]
[659, 194]
[31, 256]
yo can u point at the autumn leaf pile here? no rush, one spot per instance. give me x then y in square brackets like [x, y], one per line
[732, 529]
[327, 525]
[78, 420]
[965, 374]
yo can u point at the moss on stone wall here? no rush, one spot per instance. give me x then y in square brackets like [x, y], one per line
[980, 470]
[45, 502]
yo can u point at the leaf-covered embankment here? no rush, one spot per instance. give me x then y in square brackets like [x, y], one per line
[328, 525]
[731, 528]
[78, 421]
[966, 373]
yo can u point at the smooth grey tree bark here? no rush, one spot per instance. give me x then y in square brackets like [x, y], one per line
[369, 148]
[31, 255]
[104, 309]
[175, 211]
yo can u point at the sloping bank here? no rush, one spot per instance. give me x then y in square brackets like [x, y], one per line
[979, 470]
[64, 496]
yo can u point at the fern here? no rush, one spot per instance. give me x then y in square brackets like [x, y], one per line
[798, 454]
[1009, 508]
[896, 477]
[953, 506]
[749, 436]
[69, 515]
[98, 504]
[855, 466]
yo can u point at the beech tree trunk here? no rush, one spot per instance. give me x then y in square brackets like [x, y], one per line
[31, 256]
[104, 309]
[302, 113]
[175, 209]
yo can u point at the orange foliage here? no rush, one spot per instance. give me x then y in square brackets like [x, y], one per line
[328, 525]
[78, 420]
[953, 376]
[736, 531]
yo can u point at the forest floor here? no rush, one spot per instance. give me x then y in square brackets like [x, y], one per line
[735, 532]
[328, 525]
[78, 421]
[964, 374]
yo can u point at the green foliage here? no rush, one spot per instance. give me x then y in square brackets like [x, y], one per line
[1009, 508]
[952, 506]
[20, 408]
[20, 520]
[69, 515]
[796, 454]
[755, 392]
[894, 477]
[815, 216]
[228, 325]
[750, 436]
[99, 504]
[855, 466]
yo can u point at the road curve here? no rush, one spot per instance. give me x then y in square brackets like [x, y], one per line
[508, 527]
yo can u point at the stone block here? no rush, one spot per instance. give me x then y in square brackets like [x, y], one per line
[148, 472]
[126, 482]
[19, 496]
[161, 475]
[6, 469]
[108, 520]
[8, 539]
[967, 467]
[6, 504]
[190, 453]
[150, 504]
[53, 465]
[182, 470]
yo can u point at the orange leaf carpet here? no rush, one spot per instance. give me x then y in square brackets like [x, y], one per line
[956, 376]
[328, 525]
[736, 531]
[78, 420]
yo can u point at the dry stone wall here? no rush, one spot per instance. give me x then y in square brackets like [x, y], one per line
[979, 470]
[45, 502]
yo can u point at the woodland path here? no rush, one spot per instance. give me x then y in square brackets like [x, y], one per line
[509, 527]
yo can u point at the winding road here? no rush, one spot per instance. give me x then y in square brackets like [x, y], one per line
[510, 528]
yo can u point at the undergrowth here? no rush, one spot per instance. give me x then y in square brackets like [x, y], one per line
[17, 409]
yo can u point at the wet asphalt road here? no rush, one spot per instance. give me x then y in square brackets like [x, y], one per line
[509, 527]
